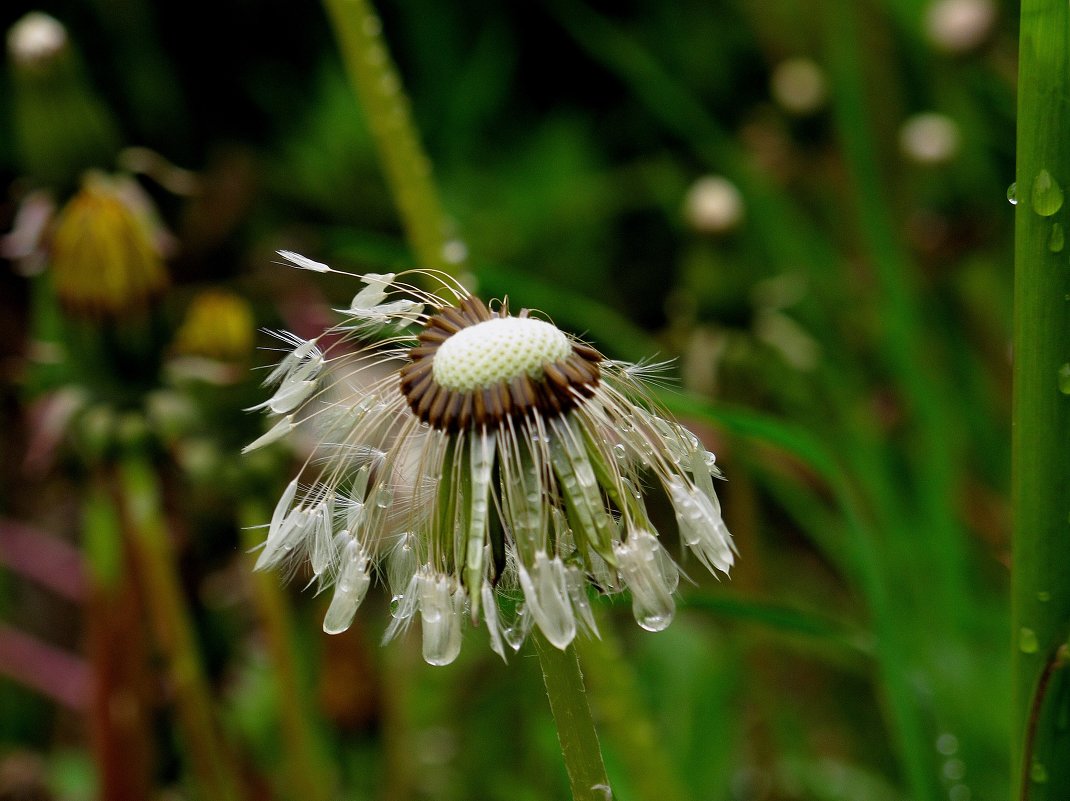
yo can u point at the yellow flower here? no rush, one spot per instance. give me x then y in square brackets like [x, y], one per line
[104, 259]
[218, 325]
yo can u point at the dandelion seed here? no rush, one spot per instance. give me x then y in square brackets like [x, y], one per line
[476, 456]
[303, 262]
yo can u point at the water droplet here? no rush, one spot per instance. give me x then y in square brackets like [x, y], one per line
[389, 85]
[384, 496]
[454, 251]
[1047, 194]
[947, 743]
[619, 452]
[376, 55]
[959, 792]
[954, 770]
[1064, 379]
[1043, 596]
[605, 790]
[372, 26]
[654, 622]
[1038, 773]
[1027, 641]
[1012, 194]
[1057, 238]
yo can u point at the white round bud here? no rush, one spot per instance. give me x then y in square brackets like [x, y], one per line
[929, 138]
[713, 205]
[798, 86]
[35, 38]
[957, 26]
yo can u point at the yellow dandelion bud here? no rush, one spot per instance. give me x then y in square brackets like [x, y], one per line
[218, 325]
[104, 258]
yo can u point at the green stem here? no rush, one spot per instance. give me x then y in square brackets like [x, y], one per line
[139, 506]
[1041, 427]
[575, 726]
[408, 170]
[305, 774]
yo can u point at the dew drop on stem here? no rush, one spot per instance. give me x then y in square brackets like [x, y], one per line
[1064, 379]
[1057, 239]
[1047, 194]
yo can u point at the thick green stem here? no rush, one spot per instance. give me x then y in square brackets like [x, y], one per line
[150, 544]
[408, 170]
[575, 726]
[1041, 438]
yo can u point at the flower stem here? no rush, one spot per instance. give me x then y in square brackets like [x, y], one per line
[117, 649]
[139, 503]
[303, 769]
[1041, 428]
[575, 726]
[408, 170]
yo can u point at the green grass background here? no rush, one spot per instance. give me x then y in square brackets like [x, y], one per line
[861, 648]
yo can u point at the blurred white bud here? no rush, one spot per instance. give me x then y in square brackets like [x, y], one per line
[929, 138]
[713, 205]
[957, 26]
[35, 38]
[798, 86]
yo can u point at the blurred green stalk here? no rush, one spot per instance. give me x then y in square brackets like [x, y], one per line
[1041, 428]
[375, 80]
[626, 721]
[575, 726]
[306, 775]
[139, 507]
[122, 742]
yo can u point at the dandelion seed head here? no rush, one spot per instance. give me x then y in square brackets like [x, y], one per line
[485, 465]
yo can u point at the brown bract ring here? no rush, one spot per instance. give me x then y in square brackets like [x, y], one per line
[564, 384]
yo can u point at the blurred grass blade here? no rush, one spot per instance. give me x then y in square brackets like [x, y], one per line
[408, 171]
[627, 723]
[931, 426]
[783, 618]
[904, 716]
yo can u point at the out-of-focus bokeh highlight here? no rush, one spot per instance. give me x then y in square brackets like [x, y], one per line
[804, 205]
